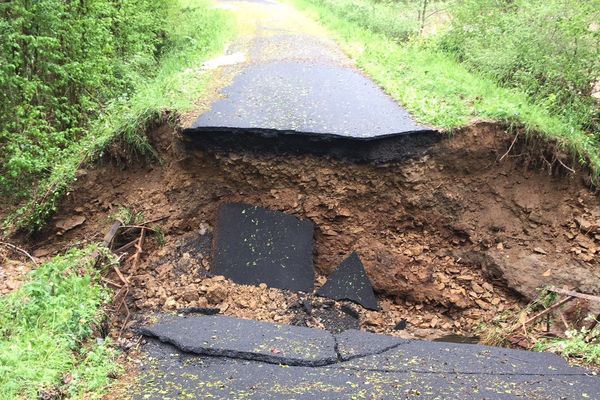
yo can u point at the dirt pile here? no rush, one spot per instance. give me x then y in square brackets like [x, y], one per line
[434, 233]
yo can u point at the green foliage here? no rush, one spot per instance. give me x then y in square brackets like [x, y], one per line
[192, 32]
[440, 91]
[549, 49]
[581, 344]
[44, 323]
[128, 216]
[397, 19]
[60, 63]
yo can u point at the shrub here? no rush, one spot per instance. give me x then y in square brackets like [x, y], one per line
[546, 48]
[397, 20]
[60, 63]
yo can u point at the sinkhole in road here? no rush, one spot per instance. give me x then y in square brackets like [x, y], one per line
[450, 237]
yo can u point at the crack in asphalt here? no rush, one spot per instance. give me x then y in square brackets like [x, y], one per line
[336, 348]
[264, 358]
[339, 362]
[470, 373]
[255, 357]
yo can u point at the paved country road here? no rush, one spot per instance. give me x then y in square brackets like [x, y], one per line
[228, 358]
[289, 79]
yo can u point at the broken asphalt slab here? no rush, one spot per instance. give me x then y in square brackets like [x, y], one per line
[245, 339]
[307, 108]
[350, 282]
[254, 245]
[231, 369]
[443, 357]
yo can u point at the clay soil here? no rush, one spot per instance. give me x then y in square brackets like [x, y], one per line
[442, 236]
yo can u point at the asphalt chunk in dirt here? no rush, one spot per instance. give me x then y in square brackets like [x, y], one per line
[223, 336]
[350, 282]
[254, 245]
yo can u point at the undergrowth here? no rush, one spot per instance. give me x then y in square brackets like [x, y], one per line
[579, 342]
[61, 62]
[194, 32]
[576, 345]
[46, 328]
[437, 88]
[548, 49]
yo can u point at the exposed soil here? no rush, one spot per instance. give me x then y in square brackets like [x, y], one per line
[450, 240]
[13, 270]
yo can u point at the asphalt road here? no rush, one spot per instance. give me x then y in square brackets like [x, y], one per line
[295, 90]
[227, 358]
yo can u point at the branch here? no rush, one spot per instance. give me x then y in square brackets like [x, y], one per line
[20, 250]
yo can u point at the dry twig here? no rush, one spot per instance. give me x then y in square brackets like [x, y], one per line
[139, 248]
[20, 250]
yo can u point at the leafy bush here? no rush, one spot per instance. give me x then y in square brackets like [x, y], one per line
[60, 63]
[397, 19]
[192, 32]
[44, 323]
[549, 49]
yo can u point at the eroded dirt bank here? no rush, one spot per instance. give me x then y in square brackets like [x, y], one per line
[450, 239]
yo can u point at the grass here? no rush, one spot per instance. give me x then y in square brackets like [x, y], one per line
[580, 344]
[574, 346]
[198, 32]
[46, 328]
[437, 89]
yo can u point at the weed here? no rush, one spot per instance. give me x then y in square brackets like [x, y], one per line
[128, 217]
[581, 344]
[159, 234]
[44, 324]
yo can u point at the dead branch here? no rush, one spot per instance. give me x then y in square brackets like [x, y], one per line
[548, 310]
[121, 276]
[126, 246]
[155, 220]
[115, 284]
[20, 250]
[572, 293]
[564, 320]
[138, 227]
[126, 317]
[138, 248]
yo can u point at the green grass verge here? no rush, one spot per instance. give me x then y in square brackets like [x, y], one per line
[437, 89]
[45, 327]
[198, 32]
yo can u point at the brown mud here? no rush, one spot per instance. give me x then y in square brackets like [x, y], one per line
[450, 239]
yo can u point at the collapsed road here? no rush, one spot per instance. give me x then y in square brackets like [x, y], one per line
[297, 93]
[448, 237]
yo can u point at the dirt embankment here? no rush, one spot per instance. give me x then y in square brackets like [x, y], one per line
[450, 240]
